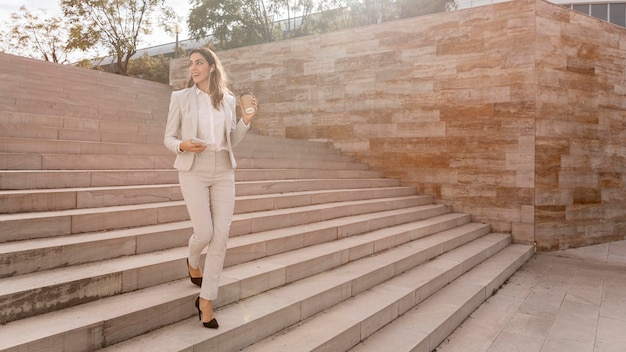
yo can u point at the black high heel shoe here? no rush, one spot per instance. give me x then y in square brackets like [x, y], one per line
[212, 324]
[195, 280]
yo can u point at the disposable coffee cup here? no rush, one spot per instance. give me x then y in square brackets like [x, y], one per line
[246, 102]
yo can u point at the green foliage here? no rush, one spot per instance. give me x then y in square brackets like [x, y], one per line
[152, 68]
[37, 36]
[85, 63]
[366, 12]
[229, 21]
[412, 8]
[235, 23]
[117, 25]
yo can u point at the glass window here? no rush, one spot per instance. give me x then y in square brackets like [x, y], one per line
[618, 14]
[600, 11]
[582, 8]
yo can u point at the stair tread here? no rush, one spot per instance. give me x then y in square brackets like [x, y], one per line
[88, 237]
[84, 189]
[150, 161]
[120, 208]
[45, 179]
[238, 170]
[344, 183]
[97, 146]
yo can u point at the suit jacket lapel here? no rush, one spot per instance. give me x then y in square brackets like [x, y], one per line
[228, 123]
[194, 112]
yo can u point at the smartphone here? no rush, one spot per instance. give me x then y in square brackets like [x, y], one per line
[198, 140]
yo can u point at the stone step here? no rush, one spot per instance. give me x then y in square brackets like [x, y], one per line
[424, 327]
[73, 147]
[130, 147]
[21, 201]
[258, 163]
[50, 127]
[250, 151]
[252, 188]
[48, 179]
[358, 287]
[22, 226]
[377, 256]
[29, 256]
[269, 194]
[263, 147]
[50, 119]
[20, 161]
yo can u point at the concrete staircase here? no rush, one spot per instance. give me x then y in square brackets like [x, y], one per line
[325, 254]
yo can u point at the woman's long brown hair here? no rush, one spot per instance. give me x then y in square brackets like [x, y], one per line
[218, 82]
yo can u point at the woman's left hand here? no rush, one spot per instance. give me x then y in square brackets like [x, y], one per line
[248, 117]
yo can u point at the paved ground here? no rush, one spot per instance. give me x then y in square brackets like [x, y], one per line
[572, 301]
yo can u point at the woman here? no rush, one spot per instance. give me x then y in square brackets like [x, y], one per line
[202, 129]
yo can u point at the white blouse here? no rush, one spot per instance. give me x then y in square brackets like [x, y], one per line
[211, 122]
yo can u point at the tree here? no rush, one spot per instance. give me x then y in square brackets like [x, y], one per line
[235, 23]
[366, 12]
[152, 68]
[117, 25]
[412, 8]
[298, 13]
[231, 22]
[37, 36]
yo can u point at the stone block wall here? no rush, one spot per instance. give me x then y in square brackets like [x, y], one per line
[45, 88]
[580, 138]
[512, 112]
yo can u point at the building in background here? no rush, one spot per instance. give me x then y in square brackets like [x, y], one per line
[610, 11]
[613, 11]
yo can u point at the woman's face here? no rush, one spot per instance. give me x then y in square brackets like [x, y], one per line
[199, 68]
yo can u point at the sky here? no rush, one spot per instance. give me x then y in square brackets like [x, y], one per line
[53, 9]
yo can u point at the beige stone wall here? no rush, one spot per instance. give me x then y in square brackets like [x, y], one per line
[580, 130]
[512, 112]
[38, 87]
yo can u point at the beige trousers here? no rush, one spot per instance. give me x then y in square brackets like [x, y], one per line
[209, 193]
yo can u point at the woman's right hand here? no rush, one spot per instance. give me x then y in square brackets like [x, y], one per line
[191, 146]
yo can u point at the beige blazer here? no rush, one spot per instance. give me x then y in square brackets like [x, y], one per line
[182, 124]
